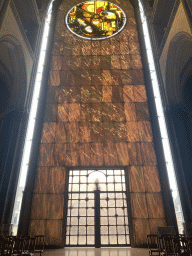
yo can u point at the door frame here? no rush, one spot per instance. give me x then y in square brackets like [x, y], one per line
[126, 169]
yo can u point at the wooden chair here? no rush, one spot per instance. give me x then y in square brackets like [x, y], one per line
[184, 246]
[2, 245]
[29, 245]
[6, 245]
[19, 246]
[169, 247]
[39, 244]
[189, 239]
[152, 245]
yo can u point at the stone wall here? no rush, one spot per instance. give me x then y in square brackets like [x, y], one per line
[97, 116]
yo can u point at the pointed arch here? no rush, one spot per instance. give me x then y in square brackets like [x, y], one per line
[12, 58]
[178, 70]
[179, 54]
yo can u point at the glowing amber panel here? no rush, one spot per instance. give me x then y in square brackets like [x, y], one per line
[97, 132]
[155, 205]
[46, 155]
[37, 227]
[57, 180]
[110, 154]
[85, 112]
[53, 232]
[136, 179]
[145, 131]
[85, 156]
[137, 76]
[54, 79]
[141, 228]
[85, 132]
[39, 208]
[130, 112]
[69, 77]
[128, 95]
[97, 154]
[140, 93]
[152, 183]
[56, 62]
[72, 155]
[134, 152]
[132, 131]
[42, 182]
[59, 155]
[139, 205]
[48, 135]
[148, 154]
[51, 113]
[122, 154]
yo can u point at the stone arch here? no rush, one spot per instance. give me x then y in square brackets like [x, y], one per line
[13, 96]
[186, 82]
[179, 54]
[12, 66]
[5, 90]
[178, 71]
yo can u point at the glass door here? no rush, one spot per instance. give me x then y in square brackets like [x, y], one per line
[97, 209]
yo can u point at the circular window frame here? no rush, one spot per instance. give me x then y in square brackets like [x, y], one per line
[94, 38]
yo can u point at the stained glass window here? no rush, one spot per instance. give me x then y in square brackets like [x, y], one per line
[95, 20]
[82, 212]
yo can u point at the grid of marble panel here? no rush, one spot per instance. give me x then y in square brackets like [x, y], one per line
[96, 115]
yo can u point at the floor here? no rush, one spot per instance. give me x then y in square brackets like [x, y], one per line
[96, 252]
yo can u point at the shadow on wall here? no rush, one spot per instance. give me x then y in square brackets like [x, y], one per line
[13, 88]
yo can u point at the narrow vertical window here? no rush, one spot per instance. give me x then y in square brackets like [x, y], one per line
[162, 124]
[31, 124]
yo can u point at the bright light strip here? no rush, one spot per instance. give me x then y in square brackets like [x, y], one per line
[160, 113]
[32, 115]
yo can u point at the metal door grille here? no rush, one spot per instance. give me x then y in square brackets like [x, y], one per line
[80, 226]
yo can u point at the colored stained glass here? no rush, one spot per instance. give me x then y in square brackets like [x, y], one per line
[95, 20]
